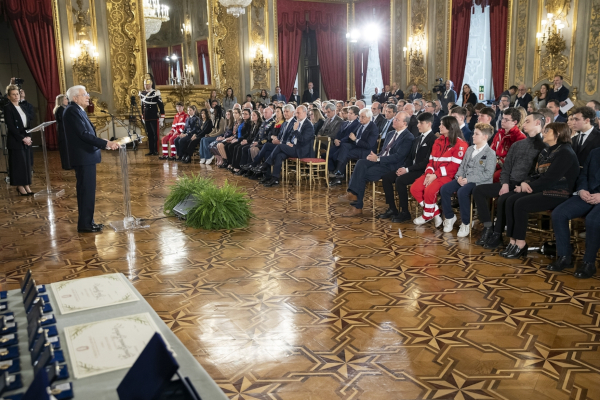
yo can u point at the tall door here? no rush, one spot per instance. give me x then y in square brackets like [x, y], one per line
[309, 63]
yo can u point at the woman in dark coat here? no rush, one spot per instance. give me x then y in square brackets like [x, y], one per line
[61, 103]
[468, 96]
[206, 127]
[19, 143]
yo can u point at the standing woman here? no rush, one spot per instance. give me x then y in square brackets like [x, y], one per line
[229, 100]
[468, 96]
[264, 98]
[541, 100]
[61, 103]
[19, 143]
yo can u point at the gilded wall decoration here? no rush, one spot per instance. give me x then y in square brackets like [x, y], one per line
[225, 40]
[127, 50]
[440, 35]
[508, 43]
[521, 42]
[417, 67]
[397, 44]
[257, 27]
[275, 42]
[59, 47]
[81, 21]
[593, 50]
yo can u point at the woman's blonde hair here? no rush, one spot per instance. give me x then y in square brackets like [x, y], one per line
[10, 88]
[317, 115]
[59, 100]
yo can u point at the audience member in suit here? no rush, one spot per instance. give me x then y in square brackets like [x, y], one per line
[430, 108]
[472, 117]
[311, 94]
[438, 110]
[395, 150]
[503, 104]
[449, 96]
[460, 114]
[298, 146]
[487, 116]
[510, 92]
[397, 92]
[332, 123]
[412, 125]
[550, 184]
[595, 105]
[18, 143]
[385, 94]
[61, 103]
[468, 96]
[377, 117]
[350, 126]
[406, 174]
[559, 92]
[295, 97]
[414, 93]
[419, 106]
[523, 98]
[388, 125]
[589, 136]
[84, 154]
[554, 106]
[375, 96]
[358, 146]
[585, 203]
[278, 96]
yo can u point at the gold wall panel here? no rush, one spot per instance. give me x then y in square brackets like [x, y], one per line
[521, 41]
[59, 47]
[508, 43]
[258, 31]
[92, 82]
[440, 35]
[593, 50]
[276, 42]
[448, 37]
[225, 42]
[417, 68]
[396, 43]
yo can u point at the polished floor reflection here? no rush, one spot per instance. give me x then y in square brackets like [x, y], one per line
[306, 304]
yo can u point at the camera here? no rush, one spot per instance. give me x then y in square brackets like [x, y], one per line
[440, 86]
[19, 81]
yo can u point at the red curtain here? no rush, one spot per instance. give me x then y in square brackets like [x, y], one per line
[329, 22]
[202, 49]
[158, 64]
[498, 26]
[461, 23]
[360, 54]
[31, 21]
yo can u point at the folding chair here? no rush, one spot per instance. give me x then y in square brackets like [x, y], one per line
[323, 143]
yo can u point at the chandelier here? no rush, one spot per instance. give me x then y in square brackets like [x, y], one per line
[235, 7]
[154, 15]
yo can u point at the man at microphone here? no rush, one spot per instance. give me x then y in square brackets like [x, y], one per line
[84, 153]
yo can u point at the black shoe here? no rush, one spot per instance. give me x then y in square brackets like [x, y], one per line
[238, 172]
[224, 165]
[187, 160]
[172, 158]
[255, 176]
[485, 236]
[335, 182]
[257, 168]
[402, 217]
[93, 229]
[560, 263]
[265, 179]
[389, 213]
[249, 174]
[22, 194]
[585, 271]
[272, 182]
[516, 252]
[265, 167]
[507, 250]
[339, 175]
[101, 226]
[494, 241]
[246, 167]
[149, 154]
[163, 157]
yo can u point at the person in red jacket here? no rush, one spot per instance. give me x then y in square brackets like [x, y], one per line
[446, 156]
[506, 137]
[168, 142]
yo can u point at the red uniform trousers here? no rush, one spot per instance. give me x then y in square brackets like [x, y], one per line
[168, 144]
[427, 196]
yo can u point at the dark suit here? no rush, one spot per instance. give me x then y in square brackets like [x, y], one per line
[62, 140]
[302, 141]
[370, 171]
[446, 98]
[416, 162]
[413, 96]
[468, 135]
[399, 94]
[379, 121]
[346, 128]
[561, 95]
[309, 98]
[375, 97]
[84, 154]
[278, 97]
[591, 142]
[437, 121]
[331, 128]
[384, 96]
[20, 156]
[523, 101]
[383, 132]
[365, 143]
[560, 118]
[294, 98]
[285, 133]
[412, 126]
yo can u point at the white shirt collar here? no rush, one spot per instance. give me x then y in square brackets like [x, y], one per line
[463, 125]
[587, 132]
[558, 88]
[81, 108]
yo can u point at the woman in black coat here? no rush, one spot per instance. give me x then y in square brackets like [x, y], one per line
[61, 103]
[19, 143]
[468, 96]
[206, 127]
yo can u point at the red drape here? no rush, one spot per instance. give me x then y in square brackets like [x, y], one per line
[158, 64]
[202, 49]
[360, 54]
[329, 22]
[461, 23]
[498, 22]
[31, 21]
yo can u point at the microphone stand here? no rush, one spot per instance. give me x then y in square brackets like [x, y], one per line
[122, 123]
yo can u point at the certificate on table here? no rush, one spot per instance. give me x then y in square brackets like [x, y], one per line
[104, 346]
[93, 292]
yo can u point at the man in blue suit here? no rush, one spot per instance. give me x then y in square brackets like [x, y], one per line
[84, 153]
[278, 96]
[298, 145]
[554, 106]
[460, 114]
[343, 136]
[358, 146]
[392, 156]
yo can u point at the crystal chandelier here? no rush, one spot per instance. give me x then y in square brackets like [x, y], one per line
[154, 16]
[235, 7]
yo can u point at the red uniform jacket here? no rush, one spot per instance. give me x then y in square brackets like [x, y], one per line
[502, 143]
[178, 123]
[445, 160]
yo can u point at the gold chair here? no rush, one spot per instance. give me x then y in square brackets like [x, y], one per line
[323, 143]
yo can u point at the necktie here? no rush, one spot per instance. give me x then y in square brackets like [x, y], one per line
[359, 134]
[421, 140]
[581, 139]
[387, 149]
[385, 129]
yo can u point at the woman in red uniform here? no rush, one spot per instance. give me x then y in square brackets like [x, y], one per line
[168, 142]
[446, 155]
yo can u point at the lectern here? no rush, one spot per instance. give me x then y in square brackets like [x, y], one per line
[48, 192]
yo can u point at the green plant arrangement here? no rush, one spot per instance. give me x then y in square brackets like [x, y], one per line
[226, 207]
[185, 186]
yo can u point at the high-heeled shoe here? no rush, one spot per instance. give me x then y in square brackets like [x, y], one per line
[22, 194]
[507, 250]
[517, 252]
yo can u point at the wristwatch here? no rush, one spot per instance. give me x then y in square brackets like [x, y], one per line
[378, 159]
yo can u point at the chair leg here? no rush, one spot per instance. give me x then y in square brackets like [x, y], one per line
[471, 219]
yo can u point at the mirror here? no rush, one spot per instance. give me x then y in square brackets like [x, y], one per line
[178, 48]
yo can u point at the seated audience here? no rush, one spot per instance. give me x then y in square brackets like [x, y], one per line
[393, 155]
[550, 184]
[430, 108]
[506, 137]
[477, 168]
[471, 118]
[249, 135]
[510, 93]
[206, 127]
[385, 94]
[559, 92]
[168, 142]
[554, 106]
[375, 96]
[388, 125]
[352, 124]
[583, 204]
[332, 123]
[412, 126]
[192, 126]
[407, 173]
[446, 156]
[595, 105]
[218, 123]
[221, 146]
[244, 130]
[531, 108]
[460, 114]
[260, 139]
[377, 117]
[583, 119]
[227, 132]
[523, 98]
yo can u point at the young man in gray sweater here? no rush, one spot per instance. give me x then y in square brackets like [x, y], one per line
[518, 163]
[477, 167]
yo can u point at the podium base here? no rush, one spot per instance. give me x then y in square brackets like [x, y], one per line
[52, 194]
[128, 224]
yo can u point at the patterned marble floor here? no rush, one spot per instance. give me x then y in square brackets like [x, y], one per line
[305, 304]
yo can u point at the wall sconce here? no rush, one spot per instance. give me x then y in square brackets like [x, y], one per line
[552, 40]
[262, 57]
[85, 59]
[261, 64]
[414, 49]
[186, 29]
